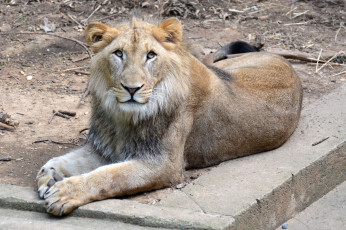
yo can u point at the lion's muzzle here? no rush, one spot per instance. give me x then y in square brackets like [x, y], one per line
[130, 94]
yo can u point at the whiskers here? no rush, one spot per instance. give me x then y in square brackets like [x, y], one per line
[164, 97]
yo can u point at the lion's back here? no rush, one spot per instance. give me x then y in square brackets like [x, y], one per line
[257, 110]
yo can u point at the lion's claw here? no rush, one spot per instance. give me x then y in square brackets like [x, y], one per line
[47, 177]
[49, 193]
[42, 190]
[63, 197]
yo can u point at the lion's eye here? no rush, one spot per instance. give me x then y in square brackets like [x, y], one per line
[151, 55]
[118, 53]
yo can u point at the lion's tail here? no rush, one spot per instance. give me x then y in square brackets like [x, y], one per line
[236, 47]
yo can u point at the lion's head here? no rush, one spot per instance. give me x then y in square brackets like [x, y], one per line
[138, 68]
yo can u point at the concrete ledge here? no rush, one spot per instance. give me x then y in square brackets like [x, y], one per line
[132, 212]
[256, 192]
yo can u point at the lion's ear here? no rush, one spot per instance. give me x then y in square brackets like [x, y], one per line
[99, 35]
[173, 28]
[169, 32]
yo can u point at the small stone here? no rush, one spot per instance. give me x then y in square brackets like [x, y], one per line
[263, 18]
[22, 72]
[5, 28]
[254, 8]
[63, 75]
[180, 186]
[29, 78]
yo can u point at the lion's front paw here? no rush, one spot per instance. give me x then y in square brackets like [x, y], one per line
[64, 196]
[46, 178]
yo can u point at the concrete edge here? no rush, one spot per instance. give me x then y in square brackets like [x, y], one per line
[133, 212]
[130, 212]
[294, 195]
[270, 211]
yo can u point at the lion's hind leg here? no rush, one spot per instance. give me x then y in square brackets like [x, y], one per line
[74, 163]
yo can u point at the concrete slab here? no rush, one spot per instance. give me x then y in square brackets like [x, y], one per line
[122, 210]
[328, 213]
[256, 192]
[15, 219]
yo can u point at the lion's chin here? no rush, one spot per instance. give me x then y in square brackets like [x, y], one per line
[131, 105]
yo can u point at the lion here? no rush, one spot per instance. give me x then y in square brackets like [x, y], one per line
[157, 111]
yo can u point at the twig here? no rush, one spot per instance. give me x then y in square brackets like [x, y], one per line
[39, 141]
[285, 55]
[10, 4]
[319, 142]
[305, 58]
[104, 18]
[318, 59]
[5, 159]
[81, 59]
[4, 126]
[60, 114]
[82, 72]
[15, 78]
[66, 70]
[330, 59]
[295, 24]
[55, 142]
[70, 16]
[289, 12]
[51, 118]
[54, 35]
[85, 94]
[86, 20]
[63, 143]
[343, 72]
[299, 14]
[235, 10]
[68, 113]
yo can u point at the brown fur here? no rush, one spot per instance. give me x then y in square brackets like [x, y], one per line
[182, 115]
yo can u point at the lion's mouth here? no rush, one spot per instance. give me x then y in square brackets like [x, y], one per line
[131, 101]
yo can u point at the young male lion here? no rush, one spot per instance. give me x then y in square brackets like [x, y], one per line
[157, 110]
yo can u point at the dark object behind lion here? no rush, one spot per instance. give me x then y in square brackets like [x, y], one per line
[236, 47]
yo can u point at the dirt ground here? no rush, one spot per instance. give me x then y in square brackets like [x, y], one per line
[59, 67]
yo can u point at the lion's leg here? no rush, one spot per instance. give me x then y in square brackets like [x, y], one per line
[113, 180]
[74, 163]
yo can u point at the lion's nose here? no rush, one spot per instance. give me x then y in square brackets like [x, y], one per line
[131, 90]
